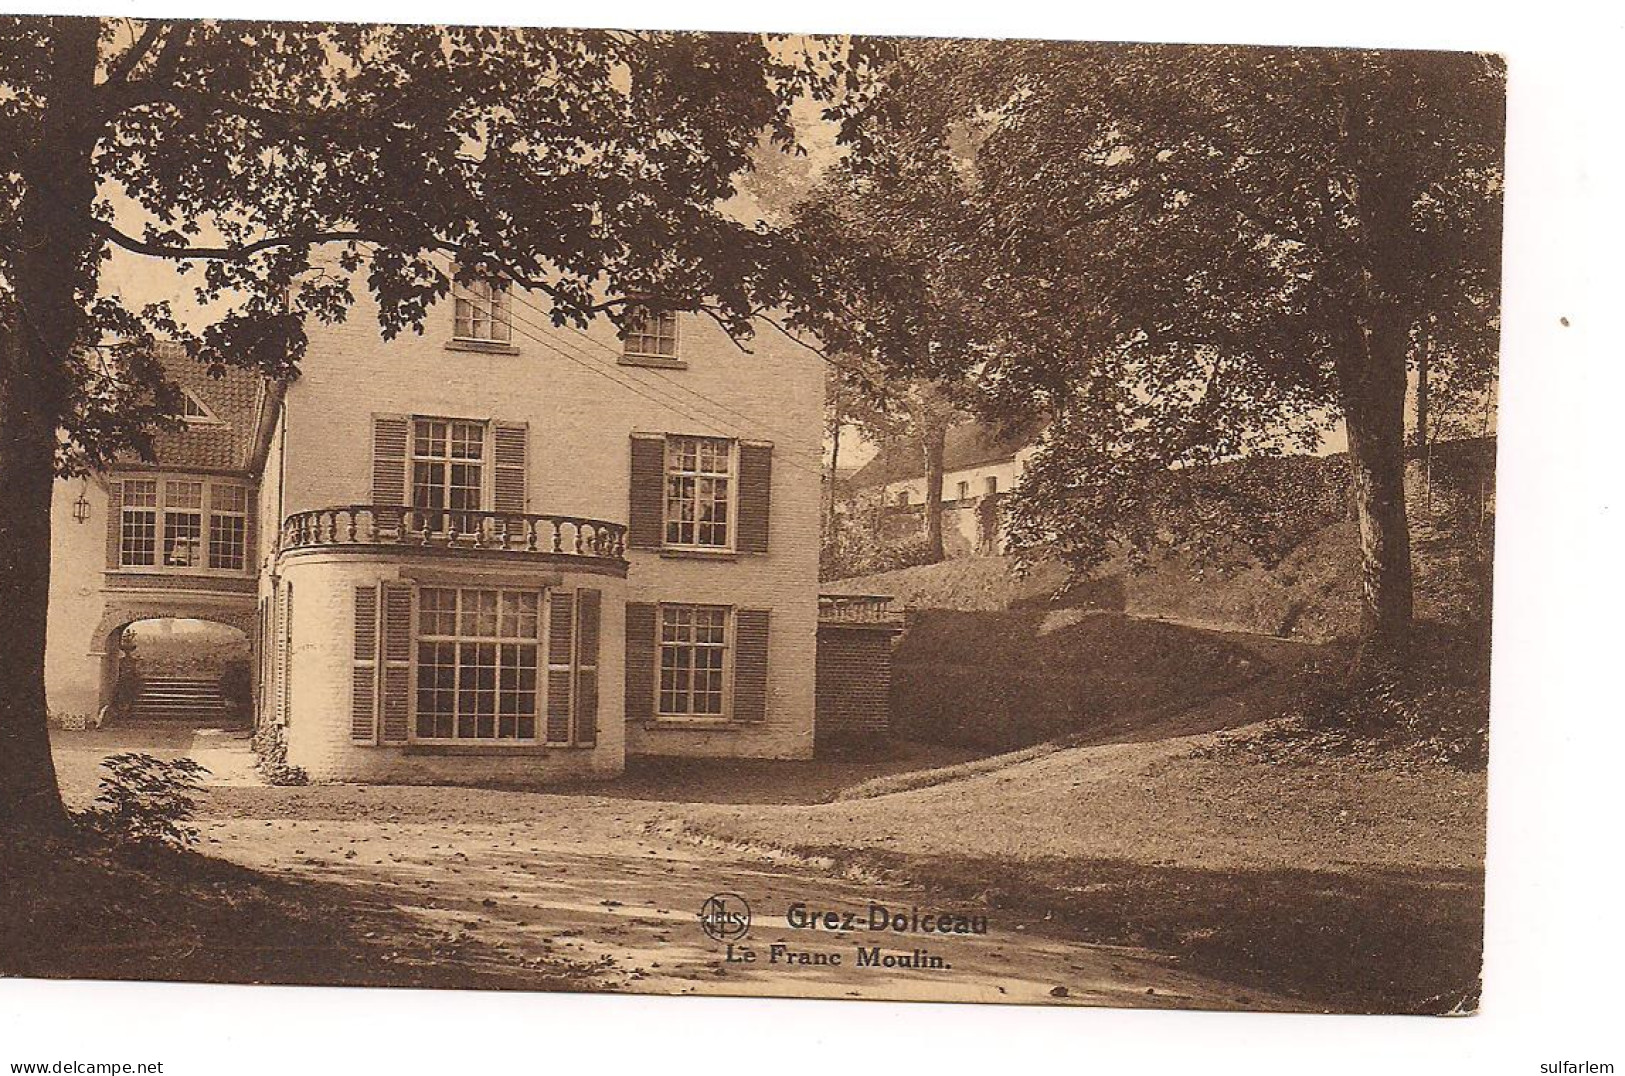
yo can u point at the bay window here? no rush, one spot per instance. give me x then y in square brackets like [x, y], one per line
[476, 663]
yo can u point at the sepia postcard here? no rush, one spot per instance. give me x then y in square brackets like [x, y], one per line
[683, 513]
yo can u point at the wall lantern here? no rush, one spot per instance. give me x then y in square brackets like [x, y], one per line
[81, 508]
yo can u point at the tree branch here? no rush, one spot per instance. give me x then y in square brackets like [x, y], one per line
[119, 70]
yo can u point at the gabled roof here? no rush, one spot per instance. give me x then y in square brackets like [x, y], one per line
[223, 439]
[970, 444]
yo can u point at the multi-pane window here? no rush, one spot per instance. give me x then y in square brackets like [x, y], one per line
[138, 530]
[477, 652]
[448, 472]
[962, 492]
[183, 523]
[992, 484]
[228, 526]
[699, 484]
[693, 655]
[482, 312]
[652, 335]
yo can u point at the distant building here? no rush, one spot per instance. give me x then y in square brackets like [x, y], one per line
[981, 464]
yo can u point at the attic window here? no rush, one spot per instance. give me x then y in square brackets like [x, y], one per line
[196, 412]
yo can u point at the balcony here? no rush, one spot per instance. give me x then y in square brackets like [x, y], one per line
[858, 609]
[376, 527]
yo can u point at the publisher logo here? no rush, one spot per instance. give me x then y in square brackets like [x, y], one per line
[725, 917]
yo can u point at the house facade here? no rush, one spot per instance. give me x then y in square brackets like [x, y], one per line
[498, 550]
[981, 464]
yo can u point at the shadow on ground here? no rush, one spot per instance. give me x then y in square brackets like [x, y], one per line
[77, 908]
[1372, 941]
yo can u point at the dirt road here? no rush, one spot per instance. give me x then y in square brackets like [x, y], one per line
[595, 881]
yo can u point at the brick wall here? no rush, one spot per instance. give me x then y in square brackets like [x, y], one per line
[854, 682]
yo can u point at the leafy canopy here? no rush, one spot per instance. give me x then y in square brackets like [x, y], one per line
[1178, 255]
[588, 165]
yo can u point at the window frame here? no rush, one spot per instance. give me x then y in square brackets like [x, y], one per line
[159, 512]
[726, 671]
[537, 644]
[486, 463]
[216, 512]
[634, 356]
[498, 308]
[732, 500]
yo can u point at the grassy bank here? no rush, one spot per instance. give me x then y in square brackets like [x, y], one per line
[1351, 886]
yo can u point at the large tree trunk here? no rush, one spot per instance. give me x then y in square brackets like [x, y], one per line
[936, 436]
[52, 272]
[1374, 409]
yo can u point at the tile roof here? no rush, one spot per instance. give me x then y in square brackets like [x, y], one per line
[967, 445]
[232, 399]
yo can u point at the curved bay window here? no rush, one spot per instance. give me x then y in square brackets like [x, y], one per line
[476, 663]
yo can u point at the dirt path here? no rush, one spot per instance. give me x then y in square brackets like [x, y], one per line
[593, 881]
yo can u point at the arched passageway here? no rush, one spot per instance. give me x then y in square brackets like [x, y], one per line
[178, 670]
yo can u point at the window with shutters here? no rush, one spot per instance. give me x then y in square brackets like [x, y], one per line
[448, 472]
[483, 312]
[477, 663]
[699, 492]
[650, 335]
[693, 660]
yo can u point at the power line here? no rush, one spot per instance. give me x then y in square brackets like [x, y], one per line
[591, 366]
[755, 425]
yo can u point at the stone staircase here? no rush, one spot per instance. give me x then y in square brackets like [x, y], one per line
[191, 700]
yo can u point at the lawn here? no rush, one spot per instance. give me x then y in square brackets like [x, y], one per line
[1351, 886]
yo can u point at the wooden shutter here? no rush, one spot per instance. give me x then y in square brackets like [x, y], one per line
[589, 604]
[115, 522]
[561, 608]
[750, 665]
[645, 515]
[285, 704]
[364, 674]
[389, 436]
[642, 623]
[510, 455]
[251, 502]
[394, 693]
[755, 497]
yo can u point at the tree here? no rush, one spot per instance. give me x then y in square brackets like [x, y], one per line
[1188, 254]
[882, 259]
[587, 166]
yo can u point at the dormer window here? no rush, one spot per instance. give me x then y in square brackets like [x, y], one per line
[195, 412]
[650, 338]
[483, 313]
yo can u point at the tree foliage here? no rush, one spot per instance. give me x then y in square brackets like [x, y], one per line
[589, 166]
[1183, 255]
[287, 167]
